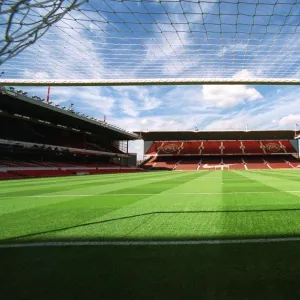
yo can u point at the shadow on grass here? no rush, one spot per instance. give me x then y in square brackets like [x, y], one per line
[232, 271]
[36, 234]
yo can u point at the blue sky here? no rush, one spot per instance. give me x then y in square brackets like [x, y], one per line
[170, 39]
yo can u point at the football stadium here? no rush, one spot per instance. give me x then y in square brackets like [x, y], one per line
[203, 210]
[221, 206]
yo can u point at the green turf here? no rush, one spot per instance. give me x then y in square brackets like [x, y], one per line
[152, 206]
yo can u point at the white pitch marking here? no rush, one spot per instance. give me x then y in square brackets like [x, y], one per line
[150, 243]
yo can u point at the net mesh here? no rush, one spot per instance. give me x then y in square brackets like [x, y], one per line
[148, 39]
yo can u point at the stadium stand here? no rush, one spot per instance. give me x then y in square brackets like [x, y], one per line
[277, 162]
[233, 163]
[212, 147]
[190, 148]
[255, 162]
[166, 162]
[188, 163]
[252, 147]
[292, 161]
[210, 163]
[40, 140]
[264, 151]
[232, 147]
[169, 147]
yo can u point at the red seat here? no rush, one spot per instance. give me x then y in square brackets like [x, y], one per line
[211, 148]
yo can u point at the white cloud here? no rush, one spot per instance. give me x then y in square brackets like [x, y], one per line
[228, 96]
[129, 107]
[233, 123]
[65, 52]
[102, 103]
[211, 96]
[289, 120]
[171, 49]
[165, 122]
[276, 112]
[183, 95]
[86, 98]
[36, 75]
[243, 74]
[135, 99]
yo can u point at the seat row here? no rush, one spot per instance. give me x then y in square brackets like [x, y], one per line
[221, 147]
[224, 163]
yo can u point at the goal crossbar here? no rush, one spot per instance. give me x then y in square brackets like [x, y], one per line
[155, 81]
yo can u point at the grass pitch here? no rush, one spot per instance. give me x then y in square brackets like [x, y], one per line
[160, 206]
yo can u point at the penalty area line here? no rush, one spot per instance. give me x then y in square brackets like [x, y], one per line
[150, 243]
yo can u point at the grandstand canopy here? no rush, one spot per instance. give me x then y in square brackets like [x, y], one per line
[149, 41]
[12, 103]
[216, 135]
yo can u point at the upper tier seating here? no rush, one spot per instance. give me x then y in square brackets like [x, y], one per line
[170, 148]
[154, 147]
[252, 147]
[232, 147]
[190, 148]
[220, 147]
[287, 146]
[211, 148]
[276, 147]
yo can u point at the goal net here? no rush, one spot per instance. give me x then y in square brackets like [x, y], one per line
[149, 41]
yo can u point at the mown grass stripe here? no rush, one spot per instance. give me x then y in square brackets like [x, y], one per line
[151, 194]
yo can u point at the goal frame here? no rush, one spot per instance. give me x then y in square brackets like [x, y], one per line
[156, 81]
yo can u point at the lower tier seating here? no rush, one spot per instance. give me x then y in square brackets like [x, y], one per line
[233, 163]
[246, 162]
[56, 173]
[278, 163]
[14, 169]
[186, 164]
[210, 163]
[255, 162]
[166, 162]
